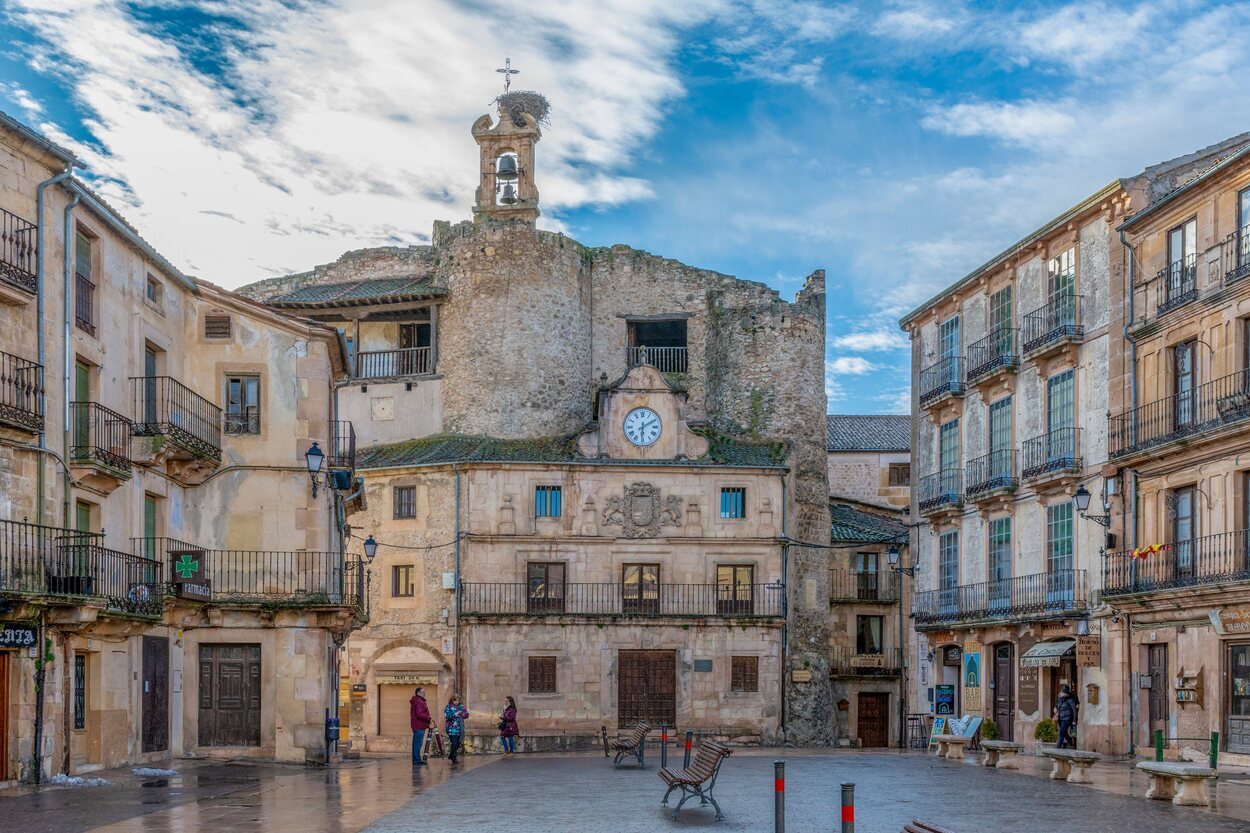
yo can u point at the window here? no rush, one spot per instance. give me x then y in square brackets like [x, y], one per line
[154, 291]
[948, 570]
[415, 337]
[866, 567]
[243, 405]
[1059, 553]
[546, 587]
[403, 581]
[547, 501]
[744, 674]
[217, 326]
[404, 502]
[151, 521]
[1181, 508]
[868, 635]
[661, 344]
[948, 352]
[1184, 382]
[1243, 232]
[1181, 274]
[542, 675]
[1061, 419]
[735, 584]
[1000, 309]
[733, 502]
[900, 474]
[84, 287]
[948, 458]
[80, 691]
[1001, 454]
[1000, 562]
[640, 588]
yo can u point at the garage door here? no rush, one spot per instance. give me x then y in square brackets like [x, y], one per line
[393, 708]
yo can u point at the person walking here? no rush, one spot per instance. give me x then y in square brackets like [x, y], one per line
[1066, 712]
[453, 718]
[508, 729]
[419, 718]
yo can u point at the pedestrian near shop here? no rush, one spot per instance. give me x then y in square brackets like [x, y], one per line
[508, 729]
[1066, 712]
[419, 718]
[454, 716]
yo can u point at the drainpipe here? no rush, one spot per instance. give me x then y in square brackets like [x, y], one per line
[39, 318]
[68, 351]
[1128, 518]
[41, 678]
[456, 601]
[785, 604]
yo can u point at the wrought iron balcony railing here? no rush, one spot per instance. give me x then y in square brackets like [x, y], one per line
[1236, 256]
[1056, 451]
[21, 393]
[1211, 560]
[164, 407]
[996, 350]
[1056, 592]
[940, 489]
[19, 242]
[615, 599]
[990, 472]
[663, 359]
[100, 436]
[382, 364]
[342, 445]
[1225, 401]
[885, 662]
[946, 376]
[1058, 320]
[863, 586]
[84, 303]
[1176, 284]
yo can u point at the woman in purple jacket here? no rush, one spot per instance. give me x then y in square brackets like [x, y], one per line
[508, 729]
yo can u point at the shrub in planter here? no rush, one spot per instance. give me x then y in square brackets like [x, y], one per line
[989, 730]
[1047, 731]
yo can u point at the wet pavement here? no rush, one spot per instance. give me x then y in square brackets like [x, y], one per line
[584, 793]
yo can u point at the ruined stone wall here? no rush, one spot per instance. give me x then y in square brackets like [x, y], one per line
[356, 265]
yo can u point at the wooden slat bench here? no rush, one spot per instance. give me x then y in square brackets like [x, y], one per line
[700, 779]
[633, 745]
[1002, 754]
[951, 747]
[1184, 784]
[1072, 765]
[918, 826]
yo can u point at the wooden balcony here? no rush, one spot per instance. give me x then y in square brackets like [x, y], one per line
[389, 364]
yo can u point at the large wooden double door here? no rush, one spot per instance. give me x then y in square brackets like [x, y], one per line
[229, 695]
[873, 720]
[646, 688]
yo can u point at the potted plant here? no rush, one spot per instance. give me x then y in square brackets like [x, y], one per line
[990, 731]
[1047, 734]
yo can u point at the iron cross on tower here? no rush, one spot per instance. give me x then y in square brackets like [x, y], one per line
[508, 72]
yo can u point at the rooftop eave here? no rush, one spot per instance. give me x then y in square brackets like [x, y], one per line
[1184, 190]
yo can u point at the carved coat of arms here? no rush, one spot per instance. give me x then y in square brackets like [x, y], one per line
[640, 512]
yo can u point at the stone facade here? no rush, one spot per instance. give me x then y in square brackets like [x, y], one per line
[531, 336]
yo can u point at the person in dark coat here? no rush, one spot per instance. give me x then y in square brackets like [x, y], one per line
[419, 718]
[454, 716]
[508, 729]
[1066, 712]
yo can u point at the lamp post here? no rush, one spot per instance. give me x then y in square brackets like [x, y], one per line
[371, 548]
[1081, 497]
[892, 556]
[314, 457]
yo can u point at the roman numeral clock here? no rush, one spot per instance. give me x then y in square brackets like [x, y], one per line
[643, 426]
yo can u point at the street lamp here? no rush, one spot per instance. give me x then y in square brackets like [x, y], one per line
[314, 457]
[892, 557]
[371, 548]
[1081, 497]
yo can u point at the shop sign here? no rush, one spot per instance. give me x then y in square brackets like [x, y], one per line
[1029, 677]
[188, 570]
[360, 690]
[868, 660]
[413, 678]
[1089, 651]
[801, 675]
[972, 676]
[944, 699]
[1231, 620]
[196, 591]
[17, 636]
[952, 655]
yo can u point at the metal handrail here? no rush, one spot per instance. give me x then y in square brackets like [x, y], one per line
[383, 364]
[888, 662]
[1209, 560]
[944, 376]
[996, 350]
[19, 240]
[163, 406]
[1058, 450]
[1058, 591]
[1224, 401]
[996, 470]
[942, 488]
[620, 599]
[342, 445]
[864, 586]
[21, 392]
[1177, 284]
[100, 435]
[1236, 255]
[1054, 321]
[663, 359]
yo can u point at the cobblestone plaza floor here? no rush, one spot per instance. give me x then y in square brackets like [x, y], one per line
[583, 793]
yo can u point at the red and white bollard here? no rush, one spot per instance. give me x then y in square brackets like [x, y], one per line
[848, 808]
[779, 796]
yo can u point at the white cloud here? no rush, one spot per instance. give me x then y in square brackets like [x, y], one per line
[849, 366]
[1029, 123]
[913, 21]
[887, 338]
[1081, 36]
[895, 402]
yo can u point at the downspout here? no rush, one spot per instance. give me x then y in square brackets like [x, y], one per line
[785, 605]
[39, 318]
[456, 602]
[68, 352]
[1128, 518]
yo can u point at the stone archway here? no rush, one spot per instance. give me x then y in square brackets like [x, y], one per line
[389, 676]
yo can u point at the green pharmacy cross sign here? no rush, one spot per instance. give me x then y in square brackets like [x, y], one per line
[189, 581]
[187, 567]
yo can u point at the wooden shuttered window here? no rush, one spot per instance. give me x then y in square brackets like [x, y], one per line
[745, 674]
[217, 326]
[542, 675]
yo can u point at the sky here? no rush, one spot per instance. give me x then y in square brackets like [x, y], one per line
[896, 144]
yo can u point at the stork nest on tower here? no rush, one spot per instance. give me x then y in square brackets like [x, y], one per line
[516, 102]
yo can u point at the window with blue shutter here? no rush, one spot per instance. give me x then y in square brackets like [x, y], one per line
[546, 501]
[733, 502]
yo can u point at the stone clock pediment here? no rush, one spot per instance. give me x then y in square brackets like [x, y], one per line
[642, 387]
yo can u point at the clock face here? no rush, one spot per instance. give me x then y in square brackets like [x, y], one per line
[642, 426]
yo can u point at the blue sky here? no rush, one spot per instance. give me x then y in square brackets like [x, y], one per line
[895, 144]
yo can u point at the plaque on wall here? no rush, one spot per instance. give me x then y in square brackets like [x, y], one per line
[1089, 651]
[702, 666]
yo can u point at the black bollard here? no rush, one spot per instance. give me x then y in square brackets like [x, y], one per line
[848, 808]
[664, 746]
[689, 742]
[779, 796]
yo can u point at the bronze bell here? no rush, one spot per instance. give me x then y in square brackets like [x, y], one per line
[508, 195]
[507, 170]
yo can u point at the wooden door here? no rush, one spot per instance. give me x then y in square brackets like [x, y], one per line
[646, 688]
[1238, 718]
[873, 722]
[4, 715]
[155, 703]
[1005, 690]
[230, 695]
[1157, 667]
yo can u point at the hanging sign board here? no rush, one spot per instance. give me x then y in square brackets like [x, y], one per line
[1089, 651]
[17, 636]
[1231, 620]
[187, 567]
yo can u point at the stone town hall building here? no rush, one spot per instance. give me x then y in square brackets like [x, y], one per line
[585, 468]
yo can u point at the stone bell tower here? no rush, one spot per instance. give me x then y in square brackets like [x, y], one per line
[506, 188]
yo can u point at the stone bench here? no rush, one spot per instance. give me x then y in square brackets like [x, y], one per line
[1002, 754]
[918, 826]
[951, 747]
[1071, 765]
[1184, 784]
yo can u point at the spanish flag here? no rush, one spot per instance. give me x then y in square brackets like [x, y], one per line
[1144, 552]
